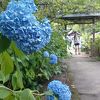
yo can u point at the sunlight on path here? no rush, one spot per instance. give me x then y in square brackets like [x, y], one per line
[82, 54]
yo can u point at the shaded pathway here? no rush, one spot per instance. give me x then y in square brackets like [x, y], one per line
[86, 74]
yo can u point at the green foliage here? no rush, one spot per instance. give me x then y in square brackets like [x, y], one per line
[17, 81]
[86, 42]
[4, 93]
[53, 8]
[6, 66]
[3, 4]
[17, 52]
[19, 71]
[26, 94]
[97, 45]
[98, 58]
[58, 45]
[4, 43]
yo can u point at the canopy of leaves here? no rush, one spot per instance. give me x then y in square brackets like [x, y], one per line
[60, 7]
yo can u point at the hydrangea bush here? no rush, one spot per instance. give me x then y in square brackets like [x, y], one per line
[18, 70]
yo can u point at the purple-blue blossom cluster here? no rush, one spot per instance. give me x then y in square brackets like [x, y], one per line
[61, 90]
[19, 24]
[53, 57]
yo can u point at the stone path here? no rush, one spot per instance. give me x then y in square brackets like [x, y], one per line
[86, 72]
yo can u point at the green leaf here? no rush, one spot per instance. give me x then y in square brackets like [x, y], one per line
[27, 95]
[1, 76]
[4, 92]
[17, 81]
[30, 73]
[18, 52]
[0, 61]
[46, 74]
[55, 98]
[10, 97]
[6, 64]
[38, 98]
[4, 43]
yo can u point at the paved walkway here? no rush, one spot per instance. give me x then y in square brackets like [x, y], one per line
[86, 74]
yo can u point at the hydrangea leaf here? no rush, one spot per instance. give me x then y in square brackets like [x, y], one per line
[27, 95]
[18, 52]
[6, 64]
[17, 81]
[11, 97]
[1, 76]
[4, 92]
[4, 43]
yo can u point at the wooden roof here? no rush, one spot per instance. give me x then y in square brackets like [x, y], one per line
[79, 18]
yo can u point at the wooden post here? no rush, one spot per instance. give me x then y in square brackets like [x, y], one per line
[93, 40]
[65, 28]
[65, 25]
[93, 30]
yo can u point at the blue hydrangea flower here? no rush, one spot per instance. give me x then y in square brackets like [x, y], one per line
[28, 4]
[20, 25]
[60, 90]
[46, 54]
[53, 59]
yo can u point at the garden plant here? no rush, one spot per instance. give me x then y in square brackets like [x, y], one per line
[26, 61]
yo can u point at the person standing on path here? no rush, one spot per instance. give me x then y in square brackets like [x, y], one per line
[76, 40]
